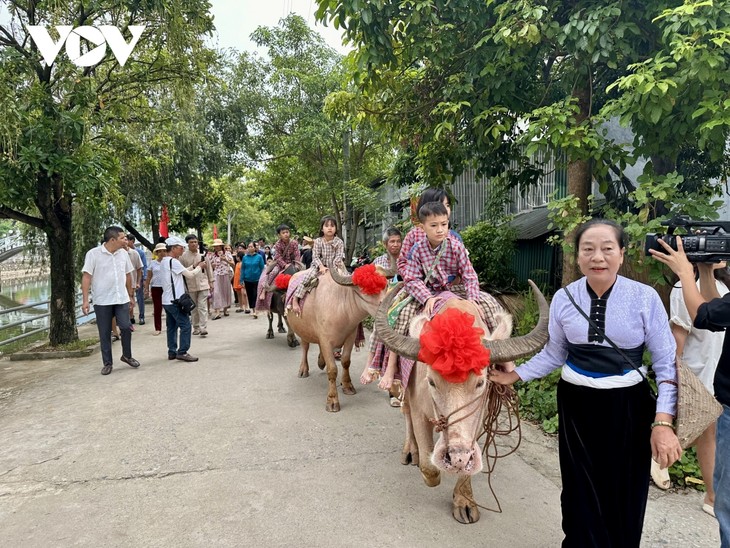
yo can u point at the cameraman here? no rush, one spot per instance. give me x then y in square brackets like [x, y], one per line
[709, 311]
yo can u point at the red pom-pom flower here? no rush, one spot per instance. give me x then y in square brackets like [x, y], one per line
[282, 281]
[452, 346]
[368, 280]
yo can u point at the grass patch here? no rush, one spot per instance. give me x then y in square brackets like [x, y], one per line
[80, 344]
[22, 344]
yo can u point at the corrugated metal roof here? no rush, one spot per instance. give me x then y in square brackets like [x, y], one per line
[532, 224]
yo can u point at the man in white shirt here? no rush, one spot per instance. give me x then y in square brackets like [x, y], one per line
[107, 272]
[200, 286]
[172, 272]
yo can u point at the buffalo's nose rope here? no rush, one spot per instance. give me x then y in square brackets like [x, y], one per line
[499, 398]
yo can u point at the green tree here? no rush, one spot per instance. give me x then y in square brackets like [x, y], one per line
[57, 137]
[306, 162]
[490, 83]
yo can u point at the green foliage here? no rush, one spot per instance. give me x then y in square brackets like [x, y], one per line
[311, 153]
[657, 198]
[491, 248]
[538, 401]
[62, 124]
[687, 469]
[490, 83]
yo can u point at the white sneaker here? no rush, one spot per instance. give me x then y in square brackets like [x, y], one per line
[196, 332]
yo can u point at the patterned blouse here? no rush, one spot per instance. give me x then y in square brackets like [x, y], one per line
[454, 262]
[328, 253]
[221, 264]
[286, 253]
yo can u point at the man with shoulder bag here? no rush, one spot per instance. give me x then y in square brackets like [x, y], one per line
[175, 300]
[709, 311]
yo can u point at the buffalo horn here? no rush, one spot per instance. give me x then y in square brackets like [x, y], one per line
[507, 350]
[402, 345]
[500, 350]
[342, 279]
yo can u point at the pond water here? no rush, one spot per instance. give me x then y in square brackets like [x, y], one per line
[28, 293]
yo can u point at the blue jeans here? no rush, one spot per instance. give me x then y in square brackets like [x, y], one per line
[721, 478]
[177, 320]
[140, 300]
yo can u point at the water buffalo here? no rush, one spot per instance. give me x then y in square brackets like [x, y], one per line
[459, 406]
[330, 316]
[278, 298]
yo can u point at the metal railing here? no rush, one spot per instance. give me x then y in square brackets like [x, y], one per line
[31, 319]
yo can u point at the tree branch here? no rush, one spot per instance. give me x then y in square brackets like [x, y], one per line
[7, 213]
[141, 239]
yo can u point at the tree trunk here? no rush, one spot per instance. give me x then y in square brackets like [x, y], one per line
[155, 224]
[56, 212]
[579, 178]
[63, 286]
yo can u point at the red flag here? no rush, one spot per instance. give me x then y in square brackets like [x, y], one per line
[215, 232]
[164, 219]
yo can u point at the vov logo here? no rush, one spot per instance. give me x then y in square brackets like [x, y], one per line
[100, 36]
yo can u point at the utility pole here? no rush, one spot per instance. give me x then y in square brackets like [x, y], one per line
[349, 242]
[231, 215]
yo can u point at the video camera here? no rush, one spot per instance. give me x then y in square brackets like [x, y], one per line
[705, 242]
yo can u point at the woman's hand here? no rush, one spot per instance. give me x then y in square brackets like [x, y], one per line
[676, 260]
[665, 448]
[503, 377]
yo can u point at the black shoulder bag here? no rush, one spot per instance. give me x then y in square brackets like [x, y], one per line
[609, 341]
[185, 302]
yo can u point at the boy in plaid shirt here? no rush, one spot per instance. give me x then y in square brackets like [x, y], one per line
[436, 262]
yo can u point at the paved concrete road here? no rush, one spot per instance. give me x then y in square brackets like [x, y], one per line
[236, 450]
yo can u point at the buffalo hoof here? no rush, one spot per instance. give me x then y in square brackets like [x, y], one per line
[409, 457]
[431, 476]
[269, 335]
[348, 389]
[464, 510]
[320, 362]
[333, 406]
[293, 343]
[281, 330]
[303, 373]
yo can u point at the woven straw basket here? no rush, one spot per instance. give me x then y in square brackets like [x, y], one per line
[696, 407]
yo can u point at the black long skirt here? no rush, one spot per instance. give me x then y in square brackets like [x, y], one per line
[605, 452]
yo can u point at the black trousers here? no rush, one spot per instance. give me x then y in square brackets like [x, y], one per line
[605, 452]
[104, 314]
[251, 291]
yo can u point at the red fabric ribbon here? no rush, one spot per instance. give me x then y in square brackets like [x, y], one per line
[368, 280]
[282, 281]
[164, 219]
[452, 346]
